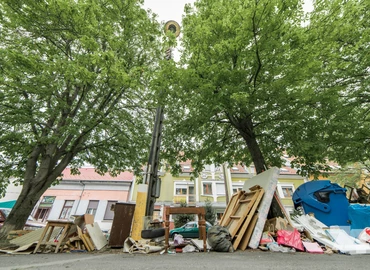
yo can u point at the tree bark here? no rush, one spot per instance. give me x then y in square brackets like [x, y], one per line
[37, 179]
[245, 129]
[20, 212]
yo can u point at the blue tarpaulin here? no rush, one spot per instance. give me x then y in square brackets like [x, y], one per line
[7, 204]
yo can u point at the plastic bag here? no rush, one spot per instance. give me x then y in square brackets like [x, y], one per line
[290, 239]
[275, 247]
[365, 235]
[266, 238]
[178, 240]
[219, 239]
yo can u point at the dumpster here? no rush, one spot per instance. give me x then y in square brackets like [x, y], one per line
[359, 215]
[326, 200]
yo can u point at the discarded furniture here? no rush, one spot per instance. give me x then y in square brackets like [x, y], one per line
[200, 211]
[240, 216]
[58, 241]
[121, 226]
[358, 195]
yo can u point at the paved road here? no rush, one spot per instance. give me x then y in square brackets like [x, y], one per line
[249, 259]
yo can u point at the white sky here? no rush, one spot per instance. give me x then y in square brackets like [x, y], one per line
[167, 9]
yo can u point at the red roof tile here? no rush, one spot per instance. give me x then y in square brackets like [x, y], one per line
[91, 174]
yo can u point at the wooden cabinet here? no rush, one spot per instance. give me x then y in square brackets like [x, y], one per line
[121, 226]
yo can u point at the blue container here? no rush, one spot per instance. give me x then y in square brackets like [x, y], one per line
[326, 200]
[359, 215]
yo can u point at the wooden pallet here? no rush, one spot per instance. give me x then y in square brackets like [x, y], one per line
[230, 208]
[242, 209]
[245, 232]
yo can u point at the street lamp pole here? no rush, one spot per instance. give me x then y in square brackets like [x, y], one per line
[151, 177]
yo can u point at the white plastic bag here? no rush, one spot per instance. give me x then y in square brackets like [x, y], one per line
[178, 240]
[365, 235]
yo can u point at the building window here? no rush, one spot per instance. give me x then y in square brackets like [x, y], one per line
[67, 209]
[237, 187]
[184, 192]
[48, 200]
[42, 213]
[91, 208]
[109, 211]
[181, 191]
[285, 190]
[207, 189]
[220, 188]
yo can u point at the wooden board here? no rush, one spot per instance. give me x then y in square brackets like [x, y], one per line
[247, 235]
[85, 240]
[242, 210]
[230, 207]
[96, 235]
[245, 225]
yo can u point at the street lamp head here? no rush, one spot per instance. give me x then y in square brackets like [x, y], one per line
[173, 27]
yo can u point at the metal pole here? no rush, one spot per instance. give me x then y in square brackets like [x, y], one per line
[151, 177]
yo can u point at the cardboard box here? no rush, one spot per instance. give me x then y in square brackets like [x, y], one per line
[278, 223]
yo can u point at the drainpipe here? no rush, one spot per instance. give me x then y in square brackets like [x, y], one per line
[82, 192]
[131, 191]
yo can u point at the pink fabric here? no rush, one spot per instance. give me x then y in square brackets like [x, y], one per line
[290, 239]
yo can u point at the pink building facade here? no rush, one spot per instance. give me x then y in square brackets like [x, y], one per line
[86, 193]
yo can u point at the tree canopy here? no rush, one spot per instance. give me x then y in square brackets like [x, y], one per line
[258, 79]
[74, 89]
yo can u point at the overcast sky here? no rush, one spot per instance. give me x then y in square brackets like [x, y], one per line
[167, 9]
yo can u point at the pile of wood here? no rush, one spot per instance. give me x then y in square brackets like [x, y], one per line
[240, 215]
[17, 233]
[83, 235]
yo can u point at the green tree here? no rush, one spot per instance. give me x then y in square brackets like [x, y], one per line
[210, 212]
[350, 175]
[74, 89]
[258, 79]
[340, 32]
[241, 96]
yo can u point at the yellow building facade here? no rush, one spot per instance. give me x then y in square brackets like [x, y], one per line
[216, 184]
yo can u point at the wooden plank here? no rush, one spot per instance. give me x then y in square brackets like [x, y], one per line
[84, 241]
[244, 227]
[89, 242]
[242, 210]
[248, 233]
[230, 208]
[96, 235]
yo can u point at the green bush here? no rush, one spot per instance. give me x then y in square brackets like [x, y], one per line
[210, 211]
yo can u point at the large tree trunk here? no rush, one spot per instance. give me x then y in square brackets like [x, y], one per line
[20, 212]
[39, 175]
[245, 128]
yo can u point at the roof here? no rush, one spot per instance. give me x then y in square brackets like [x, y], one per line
[91, 174]
[7, 204]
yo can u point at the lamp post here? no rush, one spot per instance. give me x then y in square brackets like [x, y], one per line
[151, 178]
